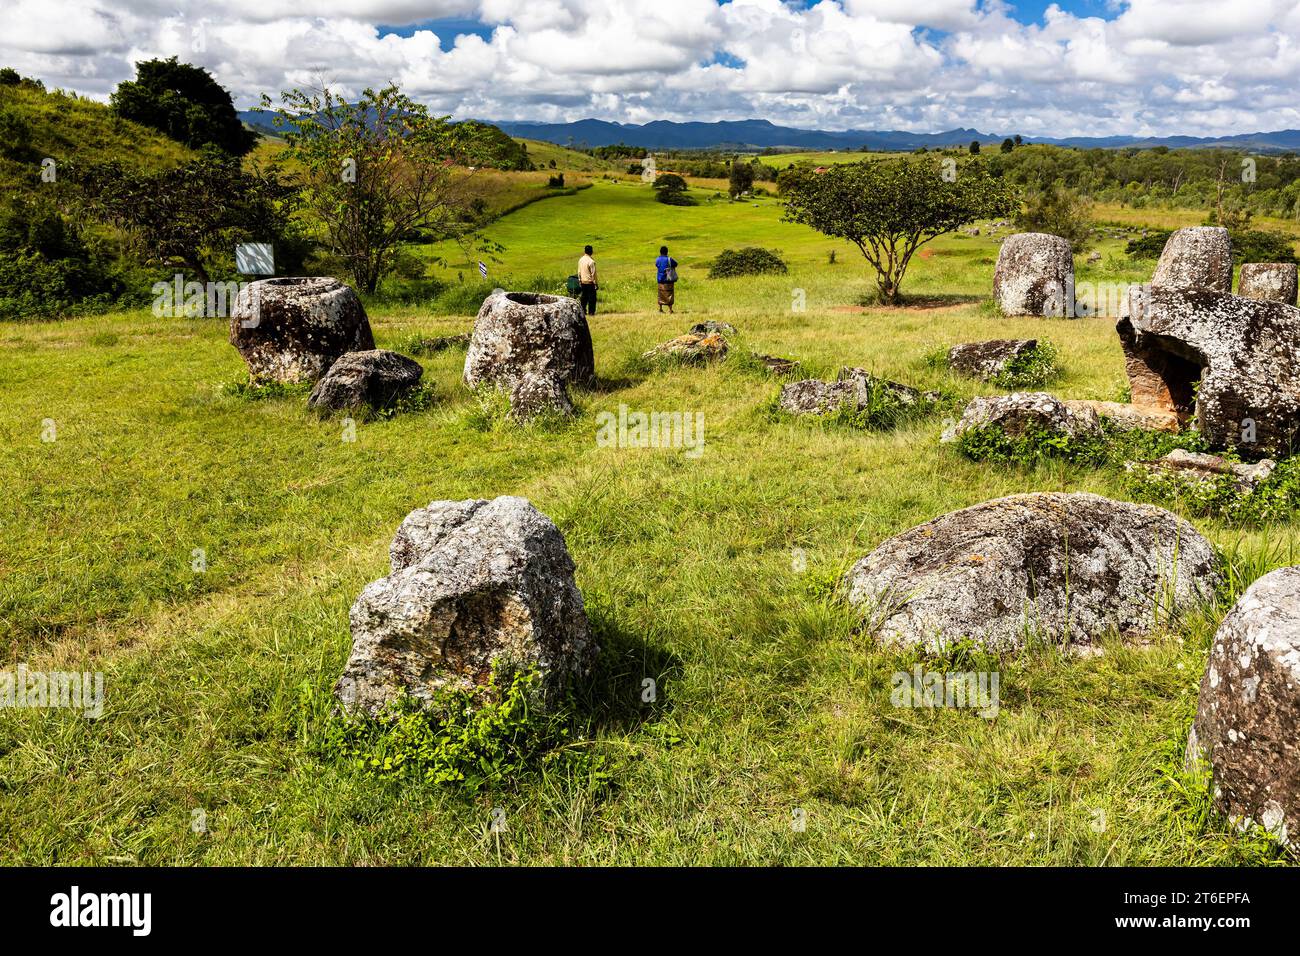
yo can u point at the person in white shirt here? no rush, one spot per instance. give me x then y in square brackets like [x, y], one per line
[587, 279]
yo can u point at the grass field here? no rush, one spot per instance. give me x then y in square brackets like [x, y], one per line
[709, 574]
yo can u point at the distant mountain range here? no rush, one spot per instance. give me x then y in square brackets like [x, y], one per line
[665, 134]
[761, 134]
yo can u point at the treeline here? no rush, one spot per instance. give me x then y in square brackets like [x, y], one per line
[1160, 177]
[701, 164]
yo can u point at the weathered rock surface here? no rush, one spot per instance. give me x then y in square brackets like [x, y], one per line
[712, 326]
[532, 346]
[1244, 353]
[777, 366]
[1197, 258]
[984, 360]
[474, 584]
[1065, 567]
[1270, 281]
[1034, 275]
[374, 379]
[1195, 467]
[1020, 412]
[853, 388]
[293, 329]
[693, 348]
[1247, 726]
[1124, 415]
[814, 397]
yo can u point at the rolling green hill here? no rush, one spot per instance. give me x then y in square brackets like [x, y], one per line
[36, 124]
[565, 159]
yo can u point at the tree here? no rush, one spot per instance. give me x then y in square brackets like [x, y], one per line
[187, 214]
[974, 147]
[1008, 145]
[1018, 140]
[1058, 212]
[378, 171]
[669, 181]
[185, 103]
[741, 179]
[889, 208]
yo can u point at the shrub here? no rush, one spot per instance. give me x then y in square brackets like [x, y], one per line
[1113, 448]
[672, 197]
[1058, 212]
[752, 260]
[671, 182]
[1276, 498]
[470, 741]
[1030, 370]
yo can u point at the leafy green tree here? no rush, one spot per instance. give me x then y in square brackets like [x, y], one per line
[669, 181]
[378, 171]
[185, 103]
[889, 208]
[1059, 212]
[741, 178]
[974, 147]
[1008, 145]
[9, 76]
[190, 214]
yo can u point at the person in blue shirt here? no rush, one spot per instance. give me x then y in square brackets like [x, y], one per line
[667, 269]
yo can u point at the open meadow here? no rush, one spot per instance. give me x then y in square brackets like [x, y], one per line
[201, 546]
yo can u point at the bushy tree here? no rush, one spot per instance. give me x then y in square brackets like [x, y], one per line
[669, 181]
[1059, 212]
[187, 215]
[741, 178]
[974, 147]
[185, 103]
[889, 208]
[378, 171]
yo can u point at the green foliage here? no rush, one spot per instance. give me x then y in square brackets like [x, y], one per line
[669, 181]
[378, 171]
[467, 741]
[191, 214]
[1114, 447]
[1248, 245]
[889, 208]
[1149, 246]
[185, 103]
[1276, 498]
[1058, 212]
[749, 261]
[740, 179]
[1031, 369]
[674, 197]
[495, 148]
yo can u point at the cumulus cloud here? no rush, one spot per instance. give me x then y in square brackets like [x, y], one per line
[1149, 66]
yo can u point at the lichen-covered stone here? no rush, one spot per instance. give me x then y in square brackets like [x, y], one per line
[1196, 468]
[532, 346]
[1128, 416]
[985, 360]
[1067, 568]
[1197, 258]
[371, 379]
[1232, 362]
[473, 585]
[293, 329]
[713, 326]
[1034, 275]
[854, 389]
[815, 397]
[777, 366]
[693, 348]
[1020, 412]
[1270, 281]
[1247, 726]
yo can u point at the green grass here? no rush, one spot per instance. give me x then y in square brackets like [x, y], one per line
[823, 158]
[709, 574]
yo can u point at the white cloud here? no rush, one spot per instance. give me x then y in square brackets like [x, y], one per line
[1157, 66]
